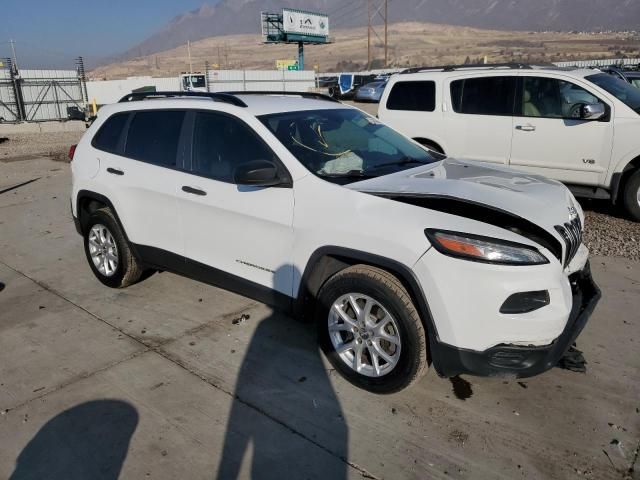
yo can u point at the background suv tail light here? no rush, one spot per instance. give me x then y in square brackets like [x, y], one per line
[72, 151]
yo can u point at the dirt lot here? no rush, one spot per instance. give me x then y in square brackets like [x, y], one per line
[175, 379]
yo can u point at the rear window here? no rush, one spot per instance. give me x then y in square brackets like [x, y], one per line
[109, 134]
[153, 137]
[484, 96]
[413, 96]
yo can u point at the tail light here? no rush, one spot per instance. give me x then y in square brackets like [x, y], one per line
[72, 151]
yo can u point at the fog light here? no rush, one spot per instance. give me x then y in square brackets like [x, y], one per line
[525, 302]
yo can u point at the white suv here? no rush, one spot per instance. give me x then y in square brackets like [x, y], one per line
[304, 203]
[577, 126]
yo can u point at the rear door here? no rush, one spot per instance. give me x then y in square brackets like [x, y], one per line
[141, 175]
[242, 235]
[479, 125]
[550, 139]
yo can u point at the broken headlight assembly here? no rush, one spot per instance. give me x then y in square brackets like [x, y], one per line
[484, 249]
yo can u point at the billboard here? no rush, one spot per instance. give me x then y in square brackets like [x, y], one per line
[305, 23]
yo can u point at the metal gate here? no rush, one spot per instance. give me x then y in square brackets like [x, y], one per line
[41, 95]
[46, 94]
[9, 109]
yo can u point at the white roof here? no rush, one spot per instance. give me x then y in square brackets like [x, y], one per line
[278, 103]
[256, 104]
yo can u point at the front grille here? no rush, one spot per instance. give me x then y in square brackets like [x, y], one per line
[571, 233]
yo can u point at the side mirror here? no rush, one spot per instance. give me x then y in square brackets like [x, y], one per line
[260, 173]
[595, 111]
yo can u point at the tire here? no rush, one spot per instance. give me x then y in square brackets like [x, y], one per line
[409, 355]
[631, 196]
[126, 270]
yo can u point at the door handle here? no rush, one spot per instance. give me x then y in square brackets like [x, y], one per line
[194, 191]
[115, 171]
[526, 128]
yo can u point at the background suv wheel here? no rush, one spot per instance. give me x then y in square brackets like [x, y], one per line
[108, 251]
[370, 330]
[631, 196]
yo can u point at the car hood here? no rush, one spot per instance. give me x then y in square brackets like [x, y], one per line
[537, 199]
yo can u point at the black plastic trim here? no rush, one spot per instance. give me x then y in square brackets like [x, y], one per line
[164, 260]
[525, 302]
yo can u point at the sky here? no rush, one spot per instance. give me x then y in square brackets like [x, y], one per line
[52, 33]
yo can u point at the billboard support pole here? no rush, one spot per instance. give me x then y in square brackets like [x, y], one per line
[300, 56]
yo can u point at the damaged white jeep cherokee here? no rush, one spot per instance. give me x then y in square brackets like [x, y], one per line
[404, 258]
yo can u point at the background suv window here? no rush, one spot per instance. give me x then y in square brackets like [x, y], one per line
[153, 137]
[553, 98]
[222, 142]
[108, 136]
[414, 96]
[484, 96]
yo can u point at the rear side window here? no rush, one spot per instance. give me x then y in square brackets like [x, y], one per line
[484, 96]
[153, 137]
[413, 96]
[108, 136]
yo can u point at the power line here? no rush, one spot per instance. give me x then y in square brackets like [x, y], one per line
[344, 17]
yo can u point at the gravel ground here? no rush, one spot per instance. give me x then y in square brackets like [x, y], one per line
[607, 232]
[14, 146]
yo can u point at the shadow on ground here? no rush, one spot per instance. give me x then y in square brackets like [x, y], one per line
[88, 441]
[283, 377]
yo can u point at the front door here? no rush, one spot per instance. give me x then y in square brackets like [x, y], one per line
[550, 139]
[242, 234]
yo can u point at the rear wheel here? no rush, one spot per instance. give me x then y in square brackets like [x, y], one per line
[631, 196]
[108, 251]
[370, 330]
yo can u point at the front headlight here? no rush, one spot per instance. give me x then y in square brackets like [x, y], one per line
[484, 249]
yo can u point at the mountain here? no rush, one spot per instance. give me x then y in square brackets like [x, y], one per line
[243, 16]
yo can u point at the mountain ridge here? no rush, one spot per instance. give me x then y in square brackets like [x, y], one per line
[242, 16]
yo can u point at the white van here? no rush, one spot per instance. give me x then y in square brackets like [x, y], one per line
[577, 126]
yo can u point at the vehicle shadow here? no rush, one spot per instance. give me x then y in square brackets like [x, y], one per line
[286, 420]
[88, 441]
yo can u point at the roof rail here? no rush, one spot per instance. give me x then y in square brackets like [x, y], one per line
[451, 68]
[308, 95]
[217, 97]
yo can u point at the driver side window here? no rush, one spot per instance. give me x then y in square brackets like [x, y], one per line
[221, 143]
[552, 98]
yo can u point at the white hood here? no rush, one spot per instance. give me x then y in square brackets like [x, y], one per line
[542, 201]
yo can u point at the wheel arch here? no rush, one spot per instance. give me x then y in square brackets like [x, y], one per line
[327, 261]
[622, 173]
[87, 202]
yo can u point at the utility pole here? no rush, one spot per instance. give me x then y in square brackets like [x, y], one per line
[369, 28]
[190, 62]
[386, 33]
[382, 9]
[13, 49]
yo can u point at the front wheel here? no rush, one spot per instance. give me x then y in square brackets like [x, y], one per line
[370, 330]
[631, 196]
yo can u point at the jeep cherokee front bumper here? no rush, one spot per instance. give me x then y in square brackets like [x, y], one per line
[523, 361]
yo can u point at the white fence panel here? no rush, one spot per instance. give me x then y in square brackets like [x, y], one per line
[599, 63]
[110, 91]
[261, 80]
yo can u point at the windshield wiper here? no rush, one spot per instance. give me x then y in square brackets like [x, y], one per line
[401, 162]
[349, 174]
